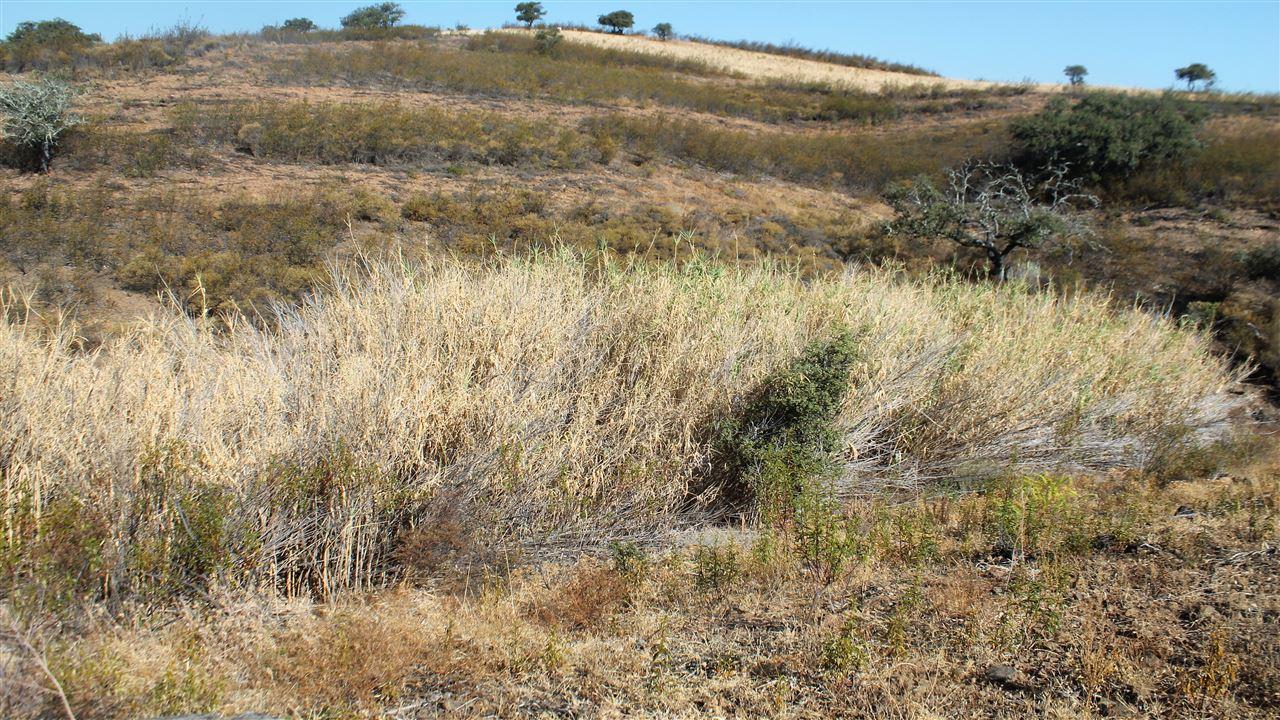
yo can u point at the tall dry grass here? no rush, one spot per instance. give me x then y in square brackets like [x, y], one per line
[542, 401]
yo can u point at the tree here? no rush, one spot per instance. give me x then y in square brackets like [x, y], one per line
[1105, 137]
[994, 208]
[1075, 73]
[35, 115]
[529, 13]
[383, 15]
[617, 21]
[663, 31]
[1196, 73]
[302, 25]
[51, 32]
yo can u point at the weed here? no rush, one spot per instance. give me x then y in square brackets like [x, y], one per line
[715, 567]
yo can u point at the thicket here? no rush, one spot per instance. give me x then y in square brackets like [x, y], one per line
[1104, 137]
[52, 45]
[865, 162]
[385, 134]
[549, 401]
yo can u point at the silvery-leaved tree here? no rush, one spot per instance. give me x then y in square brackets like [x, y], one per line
[35, 115]
[994, 208]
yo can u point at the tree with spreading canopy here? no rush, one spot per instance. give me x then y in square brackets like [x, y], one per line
[1196, 73]
[302, 25]
[663, 31]
[383, 15]
[617, 21]
[529, 13]
[993, 208]
[1075, 73]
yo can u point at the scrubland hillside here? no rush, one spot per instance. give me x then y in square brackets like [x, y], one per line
[413, 374]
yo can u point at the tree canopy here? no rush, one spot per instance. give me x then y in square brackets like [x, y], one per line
[1196, 73]
[529, 13]
[1106, 136]
[382, 15]
[51, 32]
[617, 21]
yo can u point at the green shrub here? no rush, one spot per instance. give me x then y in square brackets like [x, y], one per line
[780, 443]
[715, 566]
[549, 40]
[1034, 516]
[1104, 137]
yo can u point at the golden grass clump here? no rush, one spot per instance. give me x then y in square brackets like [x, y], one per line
[543, 402]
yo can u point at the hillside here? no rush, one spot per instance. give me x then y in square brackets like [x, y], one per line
[414, 373]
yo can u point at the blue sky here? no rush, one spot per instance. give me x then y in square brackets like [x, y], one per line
[1122, 43]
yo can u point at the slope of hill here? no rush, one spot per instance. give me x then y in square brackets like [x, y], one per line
[765, 66]
[451, 375]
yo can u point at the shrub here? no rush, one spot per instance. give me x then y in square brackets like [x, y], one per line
[1106, 137]
[383, 15]
[773, 450]
[617, 21]
[663, 31]
[35, 116]
[549, 40]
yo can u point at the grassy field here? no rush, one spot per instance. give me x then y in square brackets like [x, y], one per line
[417, 373]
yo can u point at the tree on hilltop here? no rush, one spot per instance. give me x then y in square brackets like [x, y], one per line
[1075, 73]
[1196, 73]
[529, 13]
[51, 32]
[302, 25]
[383, 15]
[617, 21]
[663, 31]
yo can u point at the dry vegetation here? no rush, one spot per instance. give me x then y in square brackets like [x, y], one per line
[393, 372]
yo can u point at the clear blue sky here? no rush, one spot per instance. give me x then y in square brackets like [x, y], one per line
[1122, 43]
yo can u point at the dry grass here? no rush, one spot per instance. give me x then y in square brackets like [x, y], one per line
[544, 403]
[1128, 608]
[764, 66]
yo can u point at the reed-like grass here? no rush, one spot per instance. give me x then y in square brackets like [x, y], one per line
[535, 402]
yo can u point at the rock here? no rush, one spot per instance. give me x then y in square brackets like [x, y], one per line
[1185, 512]
[1000, 674]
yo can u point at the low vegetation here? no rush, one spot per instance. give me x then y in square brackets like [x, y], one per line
[521, 395]
[553, 401]
[826, 56]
